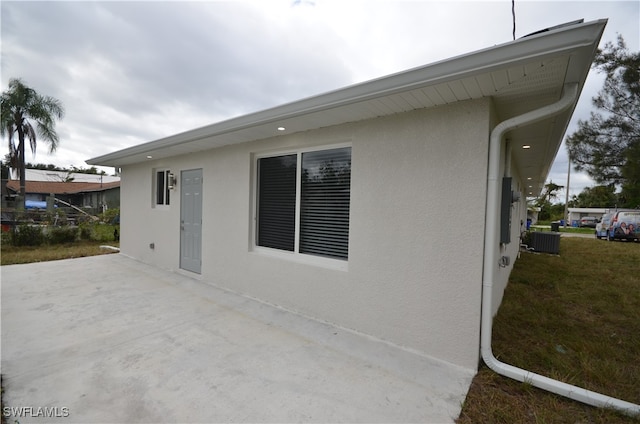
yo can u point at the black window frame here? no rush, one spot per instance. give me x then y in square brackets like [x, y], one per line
[316, 221]
[162, 191]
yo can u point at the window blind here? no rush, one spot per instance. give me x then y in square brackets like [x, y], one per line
[160, 187]
[277, 202]
[324, 203]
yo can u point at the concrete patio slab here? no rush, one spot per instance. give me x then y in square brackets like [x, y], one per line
[107, 339]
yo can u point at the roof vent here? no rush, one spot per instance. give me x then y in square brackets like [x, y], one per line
[553, 28]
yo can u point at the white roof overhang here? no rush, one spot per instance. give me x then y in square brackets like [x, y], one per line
[520, 76]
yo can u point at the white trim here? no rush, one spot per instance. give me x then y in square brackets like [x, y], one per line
[263, 124]
[154, 189]
[297, 225]
[319, 261]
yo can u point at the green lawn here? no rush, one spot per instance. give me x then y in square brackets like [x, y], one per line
[573, 317]
[27, 254]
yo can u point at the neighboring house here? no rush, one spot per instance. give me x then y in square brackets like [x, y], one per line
[62, 176]
[383, 207]
[575, 214]
[532, 214]
[95, 196]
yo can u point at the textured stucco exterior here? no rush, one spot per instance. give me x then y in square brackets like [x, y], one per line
[414, 274]
[518, 217]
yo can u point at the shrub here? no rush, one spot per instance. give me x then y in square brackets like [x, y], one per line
[28, 235]
[109, 215]
[97, 231]
[104, 232]
[86, 231]
[59, 235]
[6, 237]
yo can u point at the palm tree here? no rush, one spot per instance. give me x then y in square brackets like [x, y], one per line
[21, 105]
[550, 192]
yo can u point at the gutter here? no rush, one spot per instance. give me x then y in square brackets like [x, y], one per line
[490, 265]
[511, 54]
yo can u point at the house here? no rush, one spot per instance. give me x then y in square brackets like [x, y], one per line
[89, 191]
[392, 207]
[575, 214]
[532, 215]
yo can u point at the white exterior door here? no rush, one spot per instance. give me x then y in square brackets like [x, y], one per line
[191, 220]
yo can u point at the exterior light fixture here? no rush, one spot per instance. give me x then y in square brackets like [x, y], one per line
[172, 181]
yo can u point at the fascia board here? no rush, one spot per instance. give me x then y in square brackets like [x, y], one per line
[523, 50]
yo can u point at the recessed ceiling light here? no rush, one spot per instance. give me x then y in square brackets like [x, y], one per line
[281, 128]
[149, 157]
[529, 178]
[526, 146]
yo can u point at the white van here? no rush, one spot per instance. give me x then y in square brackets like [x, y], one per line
[625, 225]
[602, 227]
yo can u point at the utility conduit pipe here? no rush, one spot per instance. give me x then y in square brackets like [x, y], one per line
[491, 250]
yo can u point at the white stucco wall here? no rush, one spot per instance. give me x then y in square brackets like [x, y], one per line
[418, 190]
[508, 168]
[510, 250]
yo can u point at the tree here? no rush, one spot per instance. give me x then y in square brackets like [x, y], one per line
[609, 142]
[601, 196]
[549, 193]
[547, 209]
[630, 195]
[29, 115]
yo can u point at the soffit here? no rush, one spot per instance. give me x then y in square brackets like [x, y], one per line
[519, 76]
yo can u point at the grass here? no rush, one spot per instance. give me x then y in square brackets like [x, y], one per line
[574, 318]
[26, 254]
[578, 230]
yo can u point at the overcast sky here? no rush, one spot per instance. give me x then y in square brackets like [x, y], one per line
[132, 72]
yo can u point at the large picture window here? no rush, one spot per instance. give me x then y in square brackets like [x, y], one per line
[303, 202]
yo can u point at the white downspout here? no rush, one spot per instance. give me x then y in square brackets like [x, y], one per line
[491, 250]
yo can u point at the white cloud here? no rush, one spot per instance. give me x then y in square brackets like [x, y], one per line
[132, 72]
